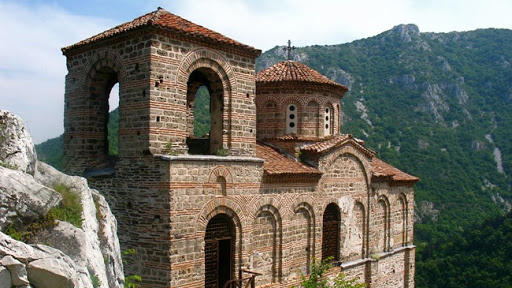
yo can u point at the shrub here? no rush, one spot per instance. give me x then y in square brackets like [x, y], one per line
[95, 281]
[70, 209]
[130, 281]
[221, 152]
[316, 279]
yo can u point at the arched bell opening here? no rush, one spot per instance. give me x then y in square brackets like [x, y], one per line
[205, 109]
[102, 143]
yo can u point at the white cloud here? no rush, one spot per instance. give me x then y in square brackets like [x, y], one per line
[32, 67]
[264, 24]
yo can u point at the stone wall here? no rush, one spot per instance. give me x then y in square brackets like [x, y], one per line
[164, 203]
[173, 61]
[311, 103]
[91, 74]
[152, 71]
[278, 226]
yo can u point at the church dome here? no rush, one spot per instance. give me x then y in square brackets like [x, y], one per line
[293, 99]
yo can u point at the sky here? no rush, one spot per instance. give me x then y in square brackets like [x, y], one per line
[32, 67]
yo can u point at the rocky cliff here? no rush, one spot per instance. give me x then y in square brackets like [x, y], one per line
[33, 208]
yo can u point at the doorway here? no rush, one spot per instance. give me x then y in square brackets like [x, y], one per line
[219, 251]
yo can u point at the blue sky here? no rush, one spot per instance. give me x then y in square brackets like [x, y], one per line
[32, 68]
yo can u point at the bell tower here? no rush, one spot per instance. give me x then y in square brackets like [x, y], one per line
[160, 61]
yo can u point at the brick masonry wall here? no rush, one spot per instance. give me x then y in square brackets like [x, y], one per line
[172, 63]
[91, 74]
[272, 105]
[278, 227]
[138, 194]
[163, 204]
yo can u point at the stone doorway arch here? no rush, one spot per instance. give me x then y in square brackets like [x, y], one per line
[219, 250]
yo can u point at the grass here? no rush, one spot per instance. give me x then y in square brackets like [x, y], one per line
[95, 280]
[9, 166]
[221, 152]
[70, 209]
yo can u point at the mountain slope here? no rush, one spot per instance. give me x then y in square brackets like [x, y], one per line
[437, 105]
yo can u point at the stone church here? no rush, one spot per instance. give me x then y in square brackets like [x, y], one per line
[272, 186]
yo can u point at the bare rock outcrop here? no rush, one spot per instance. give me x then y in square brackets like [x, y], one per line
[84, 256]
[18, 150]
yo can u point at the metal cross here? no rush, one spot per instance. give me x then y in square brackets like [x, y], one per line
[289, 49]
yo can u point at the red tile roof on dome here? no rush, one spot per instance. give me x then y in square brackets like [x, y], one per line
[170, 22]
[292, 71]
[277, 163]
[334, 142]
[383, 169]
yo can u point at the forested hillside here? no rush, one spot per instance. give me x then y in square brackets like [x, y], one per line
[438, 106]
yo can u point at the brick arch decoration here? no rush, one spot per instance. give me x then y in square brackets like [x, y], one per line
[103, 59]
[403, 204]
[386, 220]
[220, 206]
[263, 104]
[94, 114]
[335, 107]
[205, 58]
[234, 212]
[221, 171]
[283, 102]
[253, 207]
[278, 241]
[310, 212]
[364, 241]
[349, 151]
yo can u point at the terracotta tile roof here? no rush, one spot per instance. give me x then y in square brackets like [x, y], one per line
[295, 137]
[292, 71]
[335, 142]
[277, 163]
[383, 169]
[170, 22]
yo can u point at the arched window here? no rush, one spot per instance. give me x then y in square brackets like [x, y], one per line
[291, 119]
[358, 231]
[328, 121]
[331, 232]
[382, 221]
[402, 221]
[221, 181]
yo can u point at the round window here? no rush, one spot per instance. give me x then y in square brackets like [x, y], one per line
[292, 108]
[292, 124]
